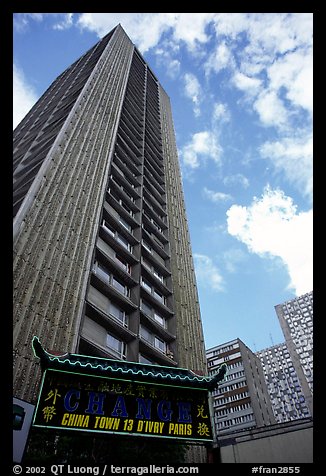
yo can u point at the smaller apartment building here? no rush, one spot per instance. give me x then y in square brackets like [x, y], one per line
[241, 401]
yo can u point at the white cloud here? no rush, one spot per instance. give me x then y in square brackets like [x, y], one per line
[230, 24]
[65, 23]
[207, 274]
[190, 28]
[146, 29]
[249, 85]
[216, 196]
[270, 58]
[193, 91]
[294, 157]
[173, 68]
[221, 58]
[24, 96]
[271, 109]
[235, 179]
[21, 21]
[266, 33]
[271, 227]
[203, 145]
[221, 113]
[268, 54]
[165, 56]
[295, 73]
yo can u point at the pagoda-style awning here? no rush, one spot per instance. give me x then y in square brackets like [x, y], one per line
[126, 370]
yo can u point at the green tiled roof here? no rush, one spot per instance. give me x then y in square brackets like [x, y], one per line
[127, 370]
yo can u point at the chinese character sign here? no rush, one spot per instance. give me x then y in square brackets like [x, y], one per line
[107, 405]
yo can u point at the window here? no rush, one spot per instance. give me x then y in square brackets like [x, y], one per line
[116, 345]
[120, 286]
[120, 201]
[126, 208]
[159, 319]
[123, 263]
[149, 311]
[159, 296]
[102, 272]
[160, 344]
[158, 275]
[153, 270]
[144, 360]
[147, 264]
[118, 313]
[108, 228]
[147, 246]
[146, 285]
[123, 241]
[145, 334]
[153, 222]
[124, 223]
[146, 308]
[108, 278]
[153, 339]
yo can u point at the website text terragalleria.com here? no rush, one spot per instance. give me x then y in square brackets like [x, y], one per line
[58, 469]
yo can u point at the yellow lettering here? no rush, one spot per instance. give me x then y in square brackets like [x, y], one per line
[106, 423]
[180, 429]
[64, 419]
[150, 426]
[69, 419]
[96, 421]
[85, 422]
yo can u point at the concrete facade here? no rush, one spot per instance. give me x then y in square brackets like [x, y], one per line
[296, 320]
[241, 401]
[288, 400]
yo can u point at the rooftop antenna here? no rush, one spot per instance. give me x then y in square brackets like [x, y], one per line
[255, 346]
[270, 335]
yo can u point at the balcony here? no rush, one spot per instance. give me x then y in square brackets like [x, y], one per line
[108, 322]
[127, 169]
[157, 356]
[156, 328]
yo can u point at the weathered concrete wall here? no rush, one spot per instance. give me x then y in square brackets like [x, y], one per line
[55, 233]
[189, 331]
[294, 446]
[190, 340]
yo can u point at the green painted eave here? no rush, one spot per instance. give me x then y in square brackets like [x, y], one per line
[127, 370]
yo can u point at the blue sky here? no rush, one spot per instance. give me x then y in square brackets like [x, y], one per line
[241, 92]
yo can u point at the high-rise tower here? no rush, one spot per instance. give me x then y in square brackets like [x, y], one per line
[288, 401]
[102, 255]
[296, 319]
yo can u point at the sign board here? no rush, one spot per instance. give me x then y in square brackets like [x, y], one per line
[22, 419]
[91, 403]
